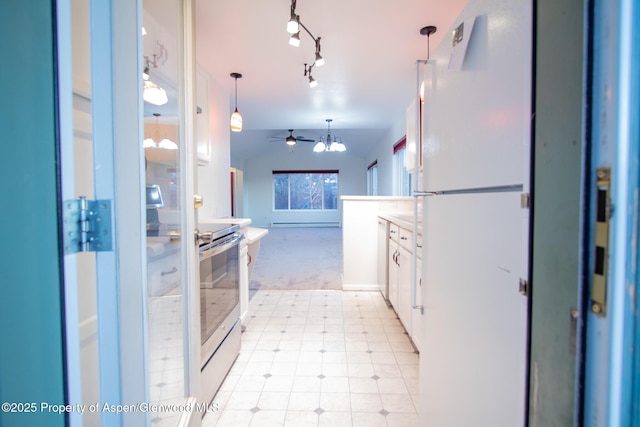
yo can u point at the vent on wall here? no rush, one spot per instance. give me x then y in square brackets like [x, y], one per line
[306, 224]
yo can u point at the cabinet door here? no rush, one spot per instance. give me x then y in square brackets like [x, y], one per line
[405, 290]
[393, 274]
[416, 314]
[383, 258]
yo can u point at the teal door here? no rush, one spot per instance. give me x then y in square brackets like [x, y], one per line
[612, 185]
[31, 313]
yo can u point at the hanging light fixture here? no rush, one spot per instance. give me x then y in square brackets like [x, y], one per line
[236, 118]
[319, 59]
[307, 72]
[154, 94]
[164, 143]
[293, 27]
[293, 24]
[330, 142]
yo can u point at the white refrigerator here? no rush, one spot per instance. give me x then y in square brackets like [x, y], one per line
[476, 144]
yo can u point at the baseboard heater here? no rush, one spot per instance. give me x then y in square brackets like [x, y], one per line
[306, 224]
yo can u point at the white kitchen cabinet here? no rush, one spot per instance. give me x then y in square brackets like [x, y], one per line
[383, 255]
[405, 291]
[163, 273]
[399, 268]
[392, 266]
[416, 314]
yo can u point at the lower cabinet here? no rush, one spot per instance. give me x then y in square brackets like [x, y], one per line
[163, 274]
[416, 315]
[399, 270]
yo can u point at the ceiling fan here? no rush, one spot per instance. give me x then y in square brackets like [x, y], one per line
[291, 140]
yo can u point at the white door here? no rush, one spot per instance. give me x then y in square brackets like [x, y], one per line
[113, 315]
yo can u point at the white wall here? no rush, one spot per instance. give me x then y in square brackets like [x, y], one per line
[383, 152]
[213, 179]
[258, 182]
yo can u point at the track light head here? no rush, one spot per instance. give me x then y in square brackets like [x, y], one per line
[294, 40]
[312, 82]
[293, 25]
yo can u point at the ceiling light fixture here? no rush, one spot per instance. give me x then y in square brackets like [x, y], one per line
[293, 27]
[291, 140]
[236, 118]
[151, 92]
[154, 94]
[164, 143]
[330, 142]
[307, 72]
[293, 24]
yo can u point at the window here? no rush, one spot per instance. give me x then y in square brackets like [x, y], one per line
[305, 190]
[402, 178]
[372, 179]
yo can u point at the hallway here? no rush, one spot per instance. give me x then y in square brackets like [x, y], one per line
[320, 358]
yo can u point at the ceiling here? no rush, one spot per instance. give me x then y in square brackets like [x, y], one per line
[370, 48]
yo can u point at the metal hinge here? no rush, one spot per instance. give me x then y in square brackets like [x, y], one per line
[87, 226]
[525, 200]
[524, 287]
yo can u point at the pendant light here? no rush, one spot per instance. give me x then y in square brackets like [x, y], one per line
[236, 118]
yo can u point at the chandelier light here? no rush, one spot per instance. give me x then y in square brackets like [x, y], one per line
[164, 143]
[236, 118]
[330, 142]
[293, 27]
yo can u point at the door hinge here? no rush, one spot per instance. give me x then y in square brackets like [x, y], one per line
[87, 226]
[523, 287]
[525, 200]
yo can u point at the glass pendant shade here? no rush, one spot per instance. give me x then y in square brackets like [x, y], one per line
[319, 147]
[154, 94]
[236, 121]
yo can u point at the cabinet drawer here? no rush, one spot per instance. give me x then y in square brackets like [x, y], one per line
[405, 239]
[394, 232]
[163, 274]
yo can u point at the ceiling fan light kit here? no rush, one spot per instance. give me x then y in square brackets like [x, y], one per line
[293, 28]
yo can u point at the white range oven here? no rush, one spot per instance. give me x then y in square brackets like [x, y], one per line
[219, 252]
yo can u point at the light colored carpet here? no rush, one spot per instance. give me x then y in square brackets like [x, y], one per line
[299, 258]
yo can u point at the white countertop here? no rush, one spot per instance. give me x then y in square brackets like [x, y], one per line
[253, 234]
[402, 219]
[242, 222]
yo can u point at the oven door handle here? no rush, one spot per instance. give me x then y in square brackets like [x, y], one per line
[204, 237]
[223, 246]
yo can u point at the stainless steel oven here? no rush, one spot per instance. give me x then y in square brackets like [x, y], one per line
[219, 303]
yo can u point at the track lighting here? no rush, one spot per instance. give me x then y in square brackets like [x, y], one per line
[293, 27]
[307, 72]
[236, 118]
[152, 93]
[319, 59]
[294, 40]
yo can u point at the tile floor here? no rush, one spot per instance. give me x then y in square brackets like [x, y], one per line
[320, 358]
